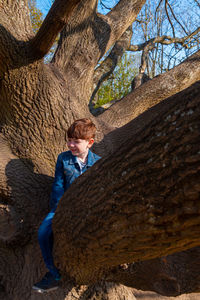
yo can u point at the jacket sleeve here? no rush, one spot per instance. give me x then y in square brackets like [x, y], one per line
[58, 184]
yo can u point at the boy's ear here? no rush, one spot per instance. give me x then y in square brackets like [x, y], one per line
[91, 142]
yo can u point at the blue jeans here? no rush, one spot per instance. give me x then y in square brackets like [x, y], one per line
[45, 238]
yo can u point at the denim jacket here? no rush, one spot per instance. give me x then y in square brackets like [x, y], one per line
[67, 170]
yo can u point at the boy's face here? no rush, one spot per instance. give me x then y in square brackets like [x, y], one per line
[79, 147]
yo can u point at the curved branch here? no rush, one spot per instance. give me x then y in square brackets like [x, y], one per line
[121, 17]
[107, 217]
[196, 1]
[51, 26]
[165, 40]
[173, 14]
[153, 92]
[168, 17]
[107, 67]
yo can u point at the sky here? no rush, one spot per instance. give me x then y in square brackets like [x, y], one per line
[44, 5]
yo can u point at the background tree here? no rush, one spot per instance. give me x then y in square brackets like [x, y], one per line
[102, 225]
[118, 84]
[171, 33]
[167, 33]
[36, 15]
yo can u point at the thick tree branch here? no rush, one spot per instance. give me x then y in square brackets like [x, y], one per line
[154, 91]
[107, 67]
[15, 27]
[103, 30]
[107, 217]
[121, 17]
[52, 25]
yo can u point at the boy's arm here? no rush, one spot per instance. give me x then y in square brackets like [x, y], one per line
[58, 184]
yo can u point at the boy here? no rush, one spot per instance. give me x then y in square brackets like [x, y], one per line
[69, 166]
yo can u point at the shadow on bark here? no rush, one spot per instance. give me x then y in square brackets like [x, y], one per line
[21, 212]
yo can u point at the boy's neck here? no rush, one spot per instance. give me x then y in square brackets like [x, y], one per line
[83, 157]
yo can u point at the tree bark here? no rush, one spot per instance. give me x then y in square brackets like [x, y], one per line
[54, 22]
[37, 104]
[170, 275]
[107, 67]
[99, 225]
[154, 91]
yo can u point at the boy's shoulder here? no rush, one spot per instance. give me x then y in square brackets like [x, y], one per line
[95, 155]
[92, 157]
[65, 155]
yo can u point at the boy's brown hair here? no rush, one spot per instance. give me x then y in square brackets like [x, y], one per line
[83, 129]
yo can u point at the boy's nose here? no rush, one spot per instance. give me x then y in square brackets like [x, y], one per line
[71, 144]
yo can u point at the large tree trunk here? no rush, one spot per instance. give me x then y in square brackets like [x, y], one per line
[147, 204]
[112, 217]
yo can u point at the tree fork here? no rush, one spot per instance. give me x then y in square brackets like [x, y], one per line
[52, 25]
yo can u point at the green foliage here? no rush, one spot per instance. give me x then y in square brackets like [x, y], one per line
[36, 15]
[118, 84]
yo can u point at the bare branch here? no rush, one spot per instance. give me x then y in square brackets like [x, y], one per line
[103, 5]
[51, 26]
[158, 6]
[168, 17]
[148, 46]
[197, 2]
[176, 18]
[165, 40]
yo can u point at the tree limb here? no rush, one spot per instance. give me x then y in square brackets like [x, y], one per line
[165, 40]
[121, 17]
[168, 17]
[173, 14]
[116, 220]
[15, 27]
[153, 91]
[103, 30]
[51, 26]
[107, 67]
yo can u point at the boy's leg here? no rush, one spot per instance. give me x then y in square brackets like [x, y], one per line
[45, 238]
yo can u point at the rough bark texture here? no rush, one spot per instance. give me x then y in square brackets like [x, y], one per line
[147, 204]
[37, 104]
[170, 275]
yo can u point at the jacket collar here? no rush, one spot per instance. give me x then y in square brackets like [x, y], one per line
[90, 160]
